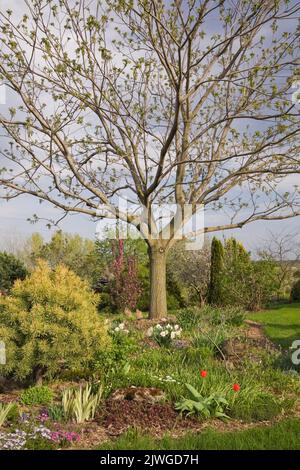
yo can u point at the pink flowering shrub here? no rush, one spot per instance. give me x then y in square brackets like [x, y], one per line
[126, 288]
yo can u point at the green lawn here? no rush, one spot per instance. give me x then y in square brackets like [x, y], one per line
[282, 324]
[284, 435]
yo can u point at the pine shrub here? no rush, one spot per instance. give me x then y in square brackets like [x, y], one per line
[49, 323]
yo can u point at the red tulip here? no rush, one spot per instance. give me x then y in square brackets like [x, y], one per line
[203, 373]
[236, 387]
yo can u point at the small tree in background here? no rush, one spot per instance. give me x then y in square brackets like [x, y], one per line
[216, 272]
[295, 292]
[284, 249]
[238, 280]
[236, 272]
[11, 269]
[191, 271]
[125, 288]
[262, 285]
[77, 253]
[50, 322]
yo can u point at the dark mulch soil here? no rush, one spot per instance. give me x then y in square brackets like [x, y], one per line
[156, 418]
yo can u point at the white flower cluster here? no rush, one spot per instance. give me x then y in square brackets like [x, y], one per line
[167, 378]
[16, 440]
[120, 329]
[165, 331]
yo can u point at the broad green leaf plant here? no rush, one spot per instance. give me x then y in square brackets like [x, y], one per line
[212, 406]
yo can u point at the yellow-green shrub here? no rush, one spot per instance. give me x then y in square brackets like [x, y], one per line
[50, 322]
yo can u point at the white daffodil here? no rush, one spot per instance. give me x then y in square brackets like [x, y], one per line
[150, 331]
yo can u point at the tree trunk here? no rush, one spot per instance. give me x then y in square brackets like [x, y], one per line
[158, 288]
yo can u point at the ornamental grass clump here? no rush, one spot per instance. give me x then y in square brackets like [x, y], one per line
[164, 334]
[50, 322]
[81, 404]
[5, 409]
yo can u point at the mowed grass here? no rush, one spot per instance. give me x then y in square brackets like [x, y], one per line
[281, 324]
[284, 435]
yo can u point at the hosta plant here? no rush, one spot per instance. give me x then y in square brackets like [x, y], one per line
[212, 406]
[81, 404]
[4, 411]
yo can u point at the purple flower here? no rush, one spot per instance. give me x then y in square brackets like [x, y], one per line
[24, 418]
[43, 417]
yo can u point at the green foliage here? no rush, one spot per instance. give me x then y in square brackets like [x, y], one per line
[78, 254]
[5, 409]
[257, 405]
[236, 280]
[113, 363]
[14, 413]
[235, 274]
[261, 284]
[11, 269]
[39, 395]
[175, 297]
[215, 286]
[81, 404]
[212, 406]
[295, 292]
[191, 317]
[39, 443]
[49, 323]
[56, 413]
[233, 316]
